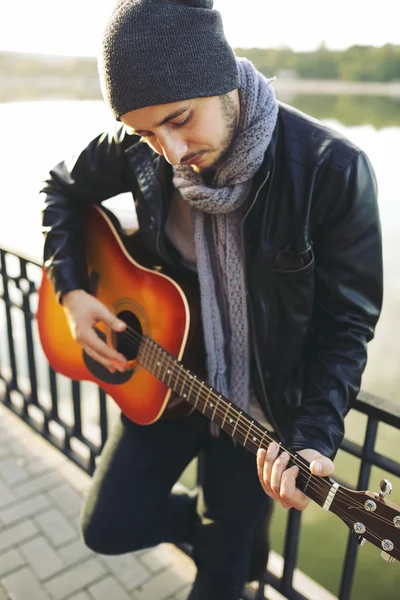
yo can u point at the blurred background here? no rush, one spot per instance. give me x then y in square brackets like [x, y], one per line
[339, 62]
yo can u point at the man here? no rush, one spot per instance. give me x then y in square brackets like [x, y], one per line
[277, 214]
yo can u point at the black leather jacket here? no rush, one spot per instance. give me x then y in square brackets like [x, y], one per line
[313, 261]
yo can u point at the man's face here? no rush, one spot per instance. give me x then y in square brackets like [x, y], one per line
[196, 132]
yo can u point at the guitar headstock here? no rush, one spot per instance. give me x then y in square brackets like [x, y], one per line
[371, 517]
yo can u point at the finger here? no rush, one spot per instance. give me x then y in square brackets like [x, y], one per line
[288, 484]
[322, 466]
[325, 466]
[106, 353]
[291, 496]
[261, 465]
[106, 363]
[278, 468]
[111, 320]
[261, 455]
[272, 453]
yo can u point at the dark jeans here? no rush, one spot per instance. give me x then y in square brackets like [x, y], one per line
[131, 507]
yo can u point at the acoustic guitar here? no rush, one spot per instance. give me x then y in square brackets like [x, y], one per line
[165, 374]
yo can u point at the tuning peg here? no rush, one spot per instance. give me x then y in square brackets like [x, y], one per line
[387, 557]
[386, 488]
[361, 540]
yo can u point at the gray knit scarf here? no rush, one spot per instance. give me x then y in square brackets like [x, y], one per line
[217, 212]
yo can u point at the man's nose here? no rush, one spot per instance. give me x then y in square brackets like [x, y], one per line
[173, 148]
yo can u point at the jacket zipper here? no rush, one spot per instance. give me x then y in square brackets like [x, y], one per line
[269, 415]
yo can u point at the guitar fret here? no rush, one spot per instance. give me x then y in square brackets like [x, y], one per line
[150, 355]
[248, 432]
[236, 424]
[179, 380]
[145, 350]
[206, 400]
[183, 383]
[215, 409]
[164, 365]
[198, 394]
[141, 352]
[229, 424]
[188, 383]
[192, 377]
[307, 482]
[262, 440]
[170, 373]
[158, 366]
[251, 443]
[226, 414]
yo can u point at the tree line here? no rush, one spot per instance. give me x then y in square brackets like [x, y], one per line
[357, 63]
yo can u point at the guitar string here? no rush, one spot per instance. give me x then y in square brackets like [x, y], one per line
[137, 339]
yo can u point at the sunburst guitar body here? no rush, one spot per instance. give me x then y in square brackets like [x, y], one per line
[140, 292]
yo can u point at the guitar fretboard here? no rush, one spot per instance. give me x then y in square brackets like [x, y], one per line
[233, 421]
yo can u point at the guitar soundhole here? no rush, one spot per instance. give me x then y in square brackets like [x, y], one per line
[128, 341]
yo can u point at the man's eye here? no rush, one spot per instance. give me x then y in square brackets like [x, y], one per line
[185, 122]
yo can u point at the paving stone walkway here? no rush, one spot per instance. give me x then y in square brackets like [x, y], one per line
[41, 554]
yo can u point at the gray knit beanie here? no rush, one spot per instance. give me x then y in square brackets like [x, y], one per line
[161, 51]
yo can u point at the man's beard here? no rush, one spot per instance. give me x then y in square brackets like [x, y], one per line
[230, 116]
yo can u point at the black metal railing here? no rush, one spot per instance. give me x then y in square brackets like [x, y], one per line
[75, 417]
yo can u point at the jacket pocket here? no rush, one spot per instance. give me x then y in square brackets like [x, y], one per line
[287, 262]
[294, 302]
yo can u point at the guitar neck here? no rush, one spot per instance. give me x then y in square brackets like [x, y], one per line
[233, 421]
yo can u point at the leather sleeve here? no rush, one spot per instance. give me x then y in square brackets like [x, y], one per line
[348, 299]
[97, 173]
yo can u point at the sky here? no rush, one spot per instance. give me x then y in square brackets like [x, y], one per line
[73, 27]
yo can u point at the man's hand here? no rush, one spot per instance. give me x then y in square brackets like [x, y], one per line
[83, 312]
[280, 483]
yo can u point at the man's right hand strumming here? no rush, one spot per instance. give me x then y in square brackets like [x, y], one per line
[83, 312]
